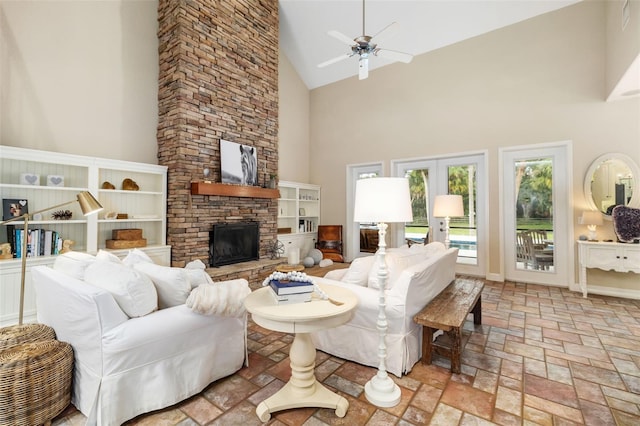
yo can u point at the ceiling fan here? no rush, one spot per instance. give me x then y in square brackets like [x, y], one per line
[365, 46]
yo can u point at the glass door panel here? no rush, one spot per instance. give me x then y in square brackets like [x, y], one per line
[534, 214]
[368, 231]
[463, 232]
[418, 230]
[359, 236]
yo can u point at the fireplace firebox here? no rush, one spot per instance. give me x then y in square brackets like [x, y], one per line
[231, 243]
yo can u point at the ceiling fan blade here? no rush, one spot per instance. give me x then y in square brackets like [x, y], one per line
[394, 55]
[363, 68]
[334, 60]
[386, 33]
[343, 38]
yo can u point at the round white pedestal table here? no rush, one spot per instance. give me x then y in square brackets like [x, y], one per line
[302, 390]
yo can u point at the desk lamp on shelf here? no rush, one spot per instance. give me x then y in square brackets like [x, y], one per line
[88, 205]
[382, 200]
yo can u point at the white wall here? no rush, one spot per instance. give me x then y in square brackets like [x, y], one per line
[538, 81]
[80, 77]
[623, 44]
[293, 124]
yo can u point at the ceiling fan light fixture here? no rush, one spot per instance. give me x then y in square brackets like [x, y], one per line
[363, 67]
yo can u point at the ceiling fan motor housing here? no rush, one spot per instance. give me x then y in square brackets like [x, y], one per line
[363, 46]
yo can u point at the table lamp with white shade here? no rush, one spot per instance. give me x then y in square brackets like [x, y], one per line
[88, 205]
[592, 219]
[382, 200]
[447, 206]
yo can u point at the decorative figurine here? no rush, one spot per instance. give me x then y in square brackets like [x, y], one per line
[130, 185]
[66, 246]
[5, 251]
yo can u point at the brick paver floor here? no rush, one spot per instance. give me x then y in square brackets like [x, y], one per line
[543, 355]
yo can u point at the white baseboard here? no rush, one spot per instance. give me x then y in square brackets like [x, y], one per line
[615, 292]
[495, 277]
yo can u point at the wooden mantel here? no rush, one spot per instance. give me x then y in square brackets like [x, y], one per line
[227, 190]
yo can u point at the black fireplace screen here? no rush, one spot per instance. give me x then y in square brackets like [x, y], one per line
[233, 243]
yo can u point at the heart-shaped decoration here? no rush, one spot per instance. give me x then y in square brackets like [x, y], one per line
[56, 180]
[31, 178]
[22, 202]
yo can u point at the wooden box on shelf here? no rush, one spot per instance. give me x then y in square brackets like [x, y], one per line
[126, 238]
[125, 244]
[127, 234]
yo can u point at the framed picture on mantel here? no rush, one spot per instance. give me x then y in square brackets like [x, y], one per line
[238, 163]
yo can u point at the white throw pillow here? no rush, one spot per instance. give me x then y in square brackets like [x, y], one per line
[196, 264]
[172, 284]
[136, 256]
[133, 291]
[107, 256]
[197, 277]
[73, 263]
[434, 248]
[197, 273]
[358, 272]
[224, 298]
[397, 260]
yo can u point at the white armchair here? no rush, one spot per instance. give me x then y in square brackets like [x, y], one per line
[128, 366]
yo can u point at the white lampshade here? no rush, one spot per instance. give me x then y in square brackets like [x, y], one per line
[591, 217]
[448, 206]
[382, 200]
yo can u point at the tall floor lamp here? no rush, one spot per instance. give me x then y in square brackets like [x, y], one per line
[382, 200]
[447, 206]
[88, 205]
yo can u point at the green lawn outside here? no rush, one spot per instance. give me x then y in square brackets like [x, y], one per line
[522, 224]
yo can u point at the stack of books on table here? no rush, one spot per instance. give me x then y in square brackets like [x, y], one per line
[285, 292]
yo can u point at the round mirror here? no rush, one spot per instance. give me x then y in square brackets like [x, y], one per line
[612, 180]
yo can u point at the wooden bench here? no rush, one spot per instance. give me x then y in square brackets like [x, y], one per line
[447, 312]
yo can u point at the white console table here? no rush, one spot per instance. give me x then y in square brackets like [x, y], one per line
[608, 256]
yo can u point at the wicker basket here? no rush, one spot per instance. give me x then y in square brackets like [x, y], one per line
[26, 333]
[35, 382]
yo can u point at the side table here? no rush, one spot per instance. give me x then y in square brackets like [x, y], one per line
[302, 390]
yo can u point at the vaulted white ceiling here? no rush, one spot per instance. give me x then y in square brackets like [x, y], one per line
[425, 25]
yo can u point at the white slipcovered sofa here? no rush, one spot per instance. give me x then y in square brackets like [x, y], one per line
[415, 276]
[129, 361]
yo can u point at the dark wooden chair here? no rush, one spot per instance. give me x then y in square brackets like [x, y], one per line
[330, 242]
[368, 240]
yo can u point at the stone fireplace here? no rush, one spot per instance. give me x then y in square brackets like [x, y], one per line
[218, 79]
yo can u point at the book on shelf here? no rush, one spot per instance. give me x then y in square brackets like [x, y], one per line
[305, 225]
[281, 288]
[40, 242]
[291, 298]
[48, 240]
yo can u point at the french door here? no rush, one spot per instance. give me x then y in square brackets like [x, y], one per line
[355, 231]
[536, 210]
[460, 175]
